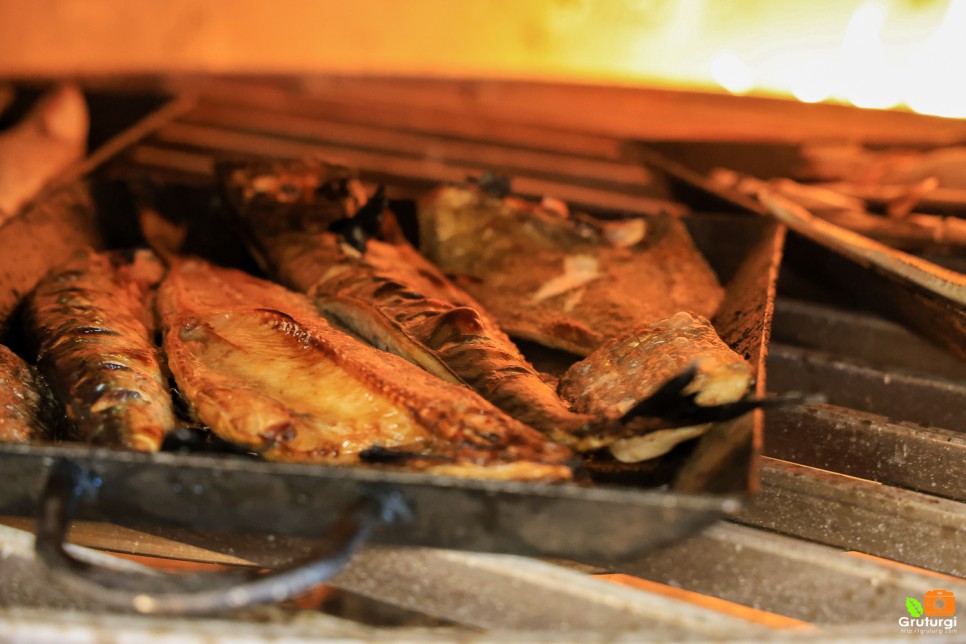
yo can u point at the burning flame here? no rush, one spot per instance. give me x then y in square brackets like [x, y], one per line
[885, 58]
[732, 73]
[867, 79]
[931, 90]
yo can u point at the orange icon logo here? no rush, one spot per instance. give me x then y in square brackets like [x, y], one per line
[939, 603]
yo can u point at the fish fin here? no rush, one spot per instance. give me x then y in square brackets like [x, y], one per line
[676, 408]
[199, 439]
[497, 185]
[727, 411]
[164, 236]
[389, 455]
[365, 224]
[668, 400]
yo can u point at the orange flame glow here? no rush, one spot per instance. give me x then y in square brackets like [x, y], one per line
[886, 57]
[931, 90]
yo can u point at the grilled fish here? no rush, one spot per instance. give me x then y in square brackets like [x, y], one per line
[51, 137]
[92, 322]
[299, 203]
[632, 367]
[564, 279]
[456, 343]
[27, 409]
[263, 369]
[395, 300]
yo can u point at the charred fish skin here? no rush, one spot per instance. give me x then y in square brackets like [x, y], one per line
[563, 279]
[92, 323]
[632, 367]
[277, 197]
[28, 412]
[261, 368]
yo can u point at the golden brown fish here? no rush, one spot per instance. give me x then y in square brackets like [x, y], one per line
[395, 300]
[563, 279]
[28, 412]
[632, 367]
[263, 369]
[92, 322]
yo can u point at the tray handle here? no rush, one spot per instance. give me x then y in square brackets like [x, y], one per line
[69, 484]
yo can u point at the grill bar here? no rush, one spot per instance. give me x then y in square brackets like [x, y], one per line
[921, 399]
[460, 123]
[506, 592]
[788, 576]
[868, 446]
[856, 514]
[206, 143]
[860, 336]
[624, 112]
[234, 140]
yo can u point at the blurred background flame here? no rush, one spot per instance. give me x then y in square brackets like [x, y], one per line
[883, 54]
[905, 54]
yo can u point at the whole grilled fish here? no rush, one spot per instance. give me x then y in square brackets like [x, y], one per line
[51, 137]
[92, 322]
[261, 367]
[27, 409]
[634, 366]
[395, 300]
[564, 280]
